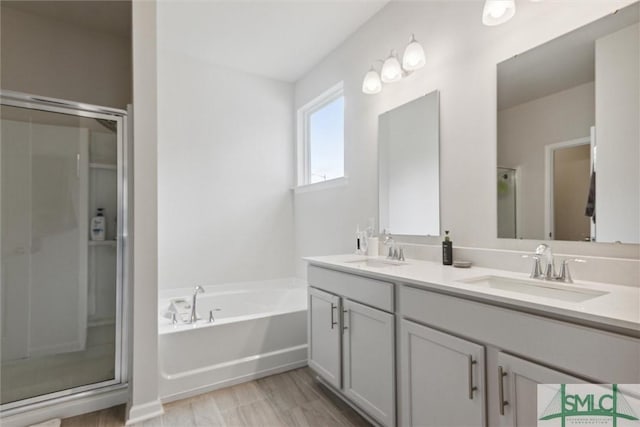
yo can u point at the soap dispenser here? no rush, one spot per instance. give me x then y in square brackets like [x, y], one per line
[447, 249]
[359, 241]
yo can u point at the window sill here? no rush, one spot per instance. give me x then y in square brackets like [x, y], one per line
[322, 185]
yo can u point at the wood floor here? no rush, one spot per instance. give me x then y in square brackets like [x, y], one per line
[290, 399]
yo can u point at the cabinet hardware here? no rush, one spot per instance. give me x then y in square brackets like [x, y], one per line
[472, 388]
[344, 324]
[333, 322]
[501, 375]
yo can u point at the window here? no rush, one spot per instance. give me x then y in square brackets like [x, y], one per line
[321, 138]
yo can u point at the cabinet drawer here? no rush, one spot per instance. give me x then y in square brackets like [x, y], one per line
[588, 352]
[374, 293]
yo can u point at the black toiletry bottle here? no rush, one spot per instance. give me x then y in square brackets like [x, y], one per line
[447, 250]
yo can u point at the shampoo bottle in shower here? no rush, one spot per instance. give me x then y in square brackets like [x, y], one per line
[447, 249]
[98, 223]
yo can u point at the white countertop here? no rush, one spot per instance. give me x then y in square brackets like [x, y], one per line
[617, 310]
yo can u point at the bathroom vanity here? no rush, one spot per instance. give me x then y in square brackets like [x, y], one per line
[428, 345]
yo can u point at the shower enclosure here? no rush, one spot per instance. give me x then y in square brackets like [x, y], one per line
[61, 288]
[507, 208]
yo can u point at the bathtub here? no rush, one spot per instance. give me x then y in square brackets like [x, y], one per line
[259, 329]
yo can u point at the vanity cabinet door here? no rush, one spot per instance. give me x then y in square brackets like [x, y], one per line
[441, 379]
[518, 380]
[368, 343]
[325, 332]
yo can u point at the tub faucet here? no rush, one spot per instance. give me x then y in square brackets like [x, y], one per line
[194, 315]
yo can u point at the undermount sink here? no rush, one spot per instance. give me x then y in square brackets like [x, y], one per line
[539, 288]
[375, 262]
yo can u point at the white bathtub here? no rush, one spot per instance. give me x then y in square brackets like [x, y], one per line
[259, 328]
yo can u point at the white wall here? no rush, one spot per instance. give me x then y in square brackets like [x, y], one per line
[143, 337]
[224, 171]
[618, 136]
[461, 63]
[524, 131]
[47, 57]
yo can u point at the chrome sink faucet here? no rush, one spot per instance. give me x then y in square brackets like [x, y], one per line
[194, 315]
[565, 274]
[543, 251]
[395, 253]
[387, 240]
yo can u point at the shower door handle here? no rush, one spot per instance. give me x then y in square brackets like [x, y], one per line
[78, 165]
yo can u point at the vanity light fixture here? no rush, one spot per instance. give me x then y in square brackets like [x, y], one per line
[498, 12]
[392, 70]
[372, 83]
[413, 57]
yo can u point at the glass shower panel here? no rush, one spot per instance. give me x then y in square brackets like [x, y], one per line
[59, 287]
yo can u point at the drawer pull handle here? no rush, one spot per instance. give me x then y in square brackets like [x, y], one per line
[472, 388]
[503, 403]
[333, 322]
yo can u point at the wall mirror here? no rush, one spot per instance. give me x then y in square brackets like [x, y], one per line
[568, 131]
[409, 168]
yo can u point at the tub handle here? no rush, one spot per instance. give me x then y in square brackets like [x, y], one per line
[333, 322]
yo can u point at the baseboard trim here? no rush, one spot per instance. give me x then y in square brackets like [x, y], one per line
[143, 412]
[234, 381]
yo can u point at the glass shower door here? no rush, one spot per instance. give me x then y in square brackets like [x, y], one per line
[507, 208]
[60, 289]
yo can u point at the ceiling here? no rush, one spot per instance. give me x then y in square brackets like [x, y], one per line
[558, 65]
[281, 40]
[109, 16]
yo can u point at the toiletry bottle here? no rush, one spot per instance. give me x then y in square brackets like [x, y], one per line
[358, 240]
[371, 228]
[447, 250]
[372, 241]
[98, 225]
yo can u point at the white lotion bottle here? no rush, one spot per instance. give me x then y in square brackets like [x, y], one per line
[98, 224]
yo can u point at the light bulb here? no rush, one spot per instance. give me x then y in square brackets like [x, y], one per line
[371, 83]
[498, 12]
[413, 57]
[391, 69]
